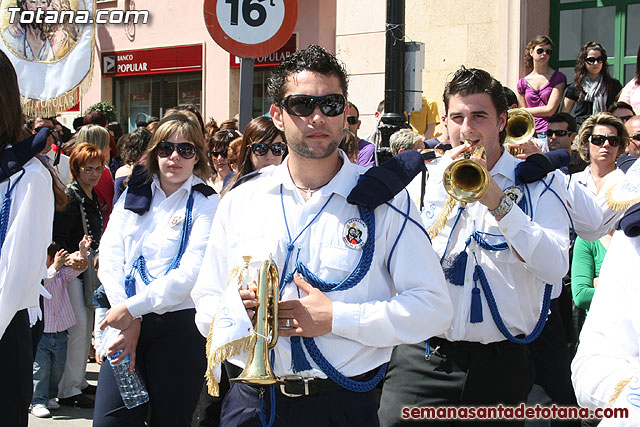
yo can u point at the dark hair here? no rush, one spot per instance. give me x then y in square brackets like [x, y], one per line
[52, 249]
[314, 58]
[539, 40]
[77, 123]
[581, 67]
[469, 81]
[353, 106]
[380, 108]
[133, 145]
[510, 96]
[193, 109]
[564, 118]
[229, 124]
[116, 129]
[95, 117]
[220, 141]
[619, 104]
[142, 124]
[11, 117]
[260, 129]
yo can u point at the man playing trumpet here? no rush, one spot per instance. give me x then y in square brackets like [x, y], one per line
[354, 294]
[496, 252]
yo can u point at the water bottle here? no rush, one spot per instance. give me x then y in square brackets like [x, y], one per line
[130, 384]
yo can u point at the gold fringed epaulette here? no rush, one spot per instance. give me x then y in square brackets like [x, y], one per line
[222, 353]
[622, 190]
[437, 226]
[619, 205]
[618, 390]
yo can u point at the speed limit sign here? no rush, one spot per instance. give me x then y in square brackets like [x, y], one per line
[250, 28]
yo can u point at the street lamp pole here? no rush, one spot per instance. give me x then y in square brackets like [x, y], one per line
[393, 118]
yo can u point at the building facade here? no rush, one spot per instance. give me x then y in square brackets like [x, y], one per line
[185, 65]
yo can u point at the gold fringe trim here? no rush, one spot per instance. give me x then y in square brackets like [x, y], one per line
[50, 107]
[437, 226]
[222, 353]
[619, 205]
[618, 390]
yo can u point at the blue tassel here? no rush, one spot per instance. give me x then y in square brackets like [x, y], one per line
[130, 285]
[476, 306]
[455, 272]
[299, 362]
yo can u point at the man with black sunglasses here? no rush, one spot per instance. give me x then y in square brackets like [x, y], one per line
[561, 133]
[62, 168]
[366, 149]
[345, 300]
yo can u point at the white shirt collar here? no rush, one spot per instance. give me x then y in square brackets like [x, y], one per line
[505, 166]
[342, 183]
[186, 186]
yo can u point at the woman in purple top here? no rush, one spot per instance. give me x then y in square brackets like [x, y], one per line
[540, 91]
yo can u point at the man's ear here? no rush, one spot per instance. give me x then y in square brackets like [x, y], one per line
[276, 115]
[502, 120]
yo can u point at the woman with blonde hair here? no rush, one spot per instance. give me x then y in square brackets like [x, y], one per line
[99, 136]
[151, 256]
[540, 91]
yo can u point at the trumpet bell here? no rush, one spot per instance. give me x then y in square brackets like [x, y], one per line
[520, 126]
[258, 370]
[466, 180]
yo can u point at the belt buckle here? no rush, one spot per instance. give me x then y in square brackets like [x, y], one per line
[292, 378]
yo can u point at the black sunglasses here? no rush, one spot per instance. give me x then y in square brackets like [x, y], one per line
[331, 105]
[635, 137]
[592, 59]
[614, 141]
[222, 153]
[559, 132]
[186, 150]
[352, 120]
[261, 148]
[542, 50]
[625, 119]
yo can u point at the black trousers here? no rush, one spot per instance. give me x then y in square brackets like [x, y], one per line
[170, 356]
[16, 371]
[552, 363]
[339, 408]
[457, 374]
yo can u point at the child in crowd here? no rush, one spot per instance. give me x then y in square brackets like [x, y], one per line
[51, 355]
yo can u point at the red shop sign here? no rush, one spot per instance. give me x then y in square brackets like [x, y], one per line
[162, 60]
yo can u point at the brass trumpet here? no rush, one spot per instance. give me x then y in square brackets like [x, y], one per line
[520, 128]
[258, 370]
[465, 179]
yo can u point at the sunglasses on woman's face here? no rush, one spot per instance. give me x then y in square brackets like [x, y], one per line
[186, 150]
[261, 148]
[593, 59]
[331, 105]
[222, 153]
[542, 50]
[598, 140]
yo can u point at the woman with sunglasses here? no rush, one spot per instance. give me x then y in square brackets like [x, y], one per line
[631, 91]
[540, 91]
[151, 256]
[219, 155]
[262, 145]
[87, 163]
[601, 140]
[593, 90]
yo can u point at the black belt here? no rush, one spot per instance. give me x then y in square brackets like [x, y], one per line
[473, 346]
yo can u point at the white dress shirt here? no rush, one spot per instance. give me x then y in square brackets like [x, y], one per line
[63, 170]
[22, 263]
[408, 305]
[156, 235]
[518, 286]
[610, 339]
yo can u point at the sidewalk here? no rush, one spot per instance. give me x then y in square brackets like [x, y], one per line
[67, 416]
